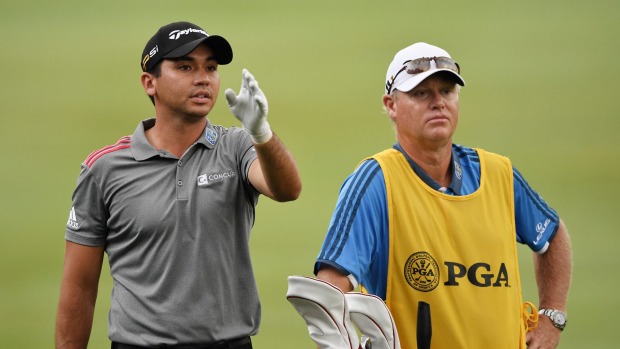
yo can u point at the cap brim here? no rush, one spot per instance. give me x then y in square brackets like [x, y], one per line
[221, 48]
[415, 80]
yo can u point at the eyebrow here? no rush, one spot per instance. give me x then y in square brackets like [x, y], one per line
[191, 59]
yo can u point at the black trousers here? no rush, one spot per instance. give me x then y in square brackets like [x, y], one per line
[243, 343]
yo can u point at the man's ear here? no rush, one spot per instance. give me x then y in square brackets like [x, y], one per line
[148, 81]
[389, 103]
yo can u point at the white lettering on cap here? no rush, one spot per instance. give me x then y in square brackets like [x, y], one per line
[175, 34]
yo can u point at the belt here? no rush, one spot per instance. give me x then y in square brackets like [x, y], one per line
[243, 343]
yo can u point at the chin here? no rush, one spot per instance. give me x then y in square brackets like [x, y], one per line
[201, 111]
[194, 117]
[441, 136]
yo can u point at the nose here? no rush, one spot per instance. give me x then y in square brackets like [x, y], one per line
[202, 77]
[437, 100]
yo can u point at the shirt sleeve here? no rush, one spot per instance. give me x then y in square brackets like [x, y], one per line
[247, 155]
[247, 152]
[357, 238]
[88, 216]
[536, 222]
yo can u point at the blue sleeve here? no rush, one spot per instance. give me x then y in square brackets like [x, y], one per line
[357, 239]
[536, 222]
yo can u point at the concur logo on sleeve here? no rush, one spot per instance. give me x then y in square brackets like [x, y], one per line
[205, 179]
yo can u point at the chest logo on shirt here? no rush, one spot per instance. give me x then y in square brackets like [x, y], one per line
[205, 179]
[458, 171]
[478, 274]
[211, 136]
[422, 272]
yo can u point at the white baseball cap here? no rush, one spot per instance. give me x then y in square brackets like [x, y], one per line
[415, 63]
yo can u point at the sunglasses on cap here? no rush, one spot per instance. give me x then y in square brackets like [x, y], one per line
[421, 65]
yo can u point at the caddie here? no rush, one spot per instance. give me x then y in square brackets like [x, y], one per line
[431, 221]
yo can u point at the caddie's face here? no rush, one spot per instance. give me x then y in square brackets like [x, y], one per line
[188, 86]
[426, 116]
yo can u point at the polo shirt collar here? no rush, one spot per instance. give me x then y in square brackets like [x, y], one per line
[142, 149]
[455, 166]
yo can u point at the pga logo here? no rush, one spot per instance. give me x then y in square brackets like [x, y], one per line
[202, 180]
[422, 272]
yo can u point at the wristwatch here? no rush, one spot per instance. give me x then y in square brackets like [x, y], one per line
[557, 317]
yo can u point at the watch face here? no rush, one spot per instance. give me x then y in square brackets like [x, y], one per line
[558, 318]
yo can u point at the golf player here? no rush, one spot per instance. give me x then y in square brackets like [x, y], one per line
[431, 221]
[173, 205]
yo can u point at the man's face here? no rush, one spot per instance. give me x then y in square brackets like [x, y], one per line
[188, 86]
[428, 114]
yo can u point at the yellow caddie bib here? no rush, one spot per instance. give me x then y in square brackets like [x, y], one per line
[457, 253]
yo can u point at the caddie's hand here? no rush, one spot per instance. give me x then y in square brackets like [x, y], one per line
[544, 336]
[250, 107]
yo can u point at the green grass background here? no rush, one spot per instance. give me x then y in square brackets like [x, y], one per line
[542, 88]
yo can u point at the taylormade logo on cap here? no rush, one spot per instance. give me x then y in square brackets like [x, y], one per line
[178, 39]
[175, 34]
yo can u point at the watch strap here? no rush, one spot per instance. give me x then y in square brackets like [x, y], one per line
[549, 313]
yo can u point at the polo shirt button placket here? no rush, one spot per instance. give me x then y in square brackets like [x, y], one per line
[181, 191]
[180, 177]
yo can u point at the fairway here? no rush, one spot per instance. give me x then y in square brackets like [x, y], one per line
[542, 89]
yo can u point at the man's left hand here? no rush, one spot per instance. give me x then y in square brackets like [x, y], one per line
[544, 336]
[250, 107]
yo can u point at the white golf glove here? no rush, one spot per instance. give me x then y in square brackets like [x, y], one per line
[250, 107]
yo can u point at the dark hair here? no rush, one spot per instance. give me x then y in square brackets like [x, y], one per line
[156, 70]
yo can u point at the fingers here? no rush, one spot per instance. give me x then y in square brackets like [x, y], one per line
[231, 97]
[255, 91]
[250, 82]
[258, 96]
[249, 88]
[261, 102]
[246, 78]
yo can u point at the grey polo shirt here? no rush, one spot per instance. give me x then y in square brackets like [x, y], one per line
[176, 232]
